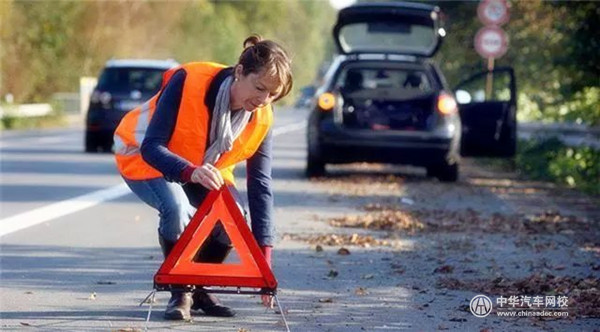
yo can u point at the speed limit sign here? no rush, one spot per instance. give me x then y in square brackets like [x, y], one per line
[491, 42]
[493, 12]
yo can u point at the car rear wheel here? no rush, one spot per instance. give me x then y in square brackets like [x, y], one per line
[444, 172]
[314, 167]
[91, 144]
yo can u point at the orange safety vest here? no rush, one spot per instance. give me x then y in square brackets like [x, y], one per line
[190, 135]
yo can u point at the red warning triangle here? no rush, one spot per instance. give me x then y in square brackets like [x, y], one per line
[180, 269]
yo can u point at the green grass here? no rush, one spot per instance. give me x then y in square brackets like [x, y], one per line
[551, 160]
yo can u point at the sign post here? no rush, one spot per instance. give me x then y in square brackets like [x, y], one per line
[491, 42]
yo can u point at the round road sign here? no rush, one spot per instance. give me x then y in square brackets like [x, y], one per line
[491, 42]
[493, 12]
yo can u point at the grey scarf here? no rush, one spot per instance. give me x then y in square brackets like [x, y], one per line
[224, 128]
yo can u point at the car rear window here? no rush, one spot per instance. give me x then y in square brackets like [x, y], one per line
[145, 80]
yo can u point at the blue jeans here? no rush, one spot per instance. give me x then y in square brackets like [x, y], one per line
[176, 206]
[171, 202]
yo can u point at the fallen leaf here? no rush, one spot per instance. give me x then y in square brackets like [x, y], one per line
[106, 282]
[326, 300]
[444, 269]
[361, 291]
[458, 319]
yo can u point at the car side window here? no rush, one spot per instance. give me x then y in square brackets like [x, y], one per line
[476, 88]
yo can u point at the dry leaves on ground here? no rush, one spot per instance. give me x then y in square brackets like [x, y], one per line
[358, 185]
[338, 240]
[395, 218]
[583, 294]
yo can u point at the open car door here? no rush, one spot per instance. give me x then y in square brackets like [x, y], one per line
[489, 118]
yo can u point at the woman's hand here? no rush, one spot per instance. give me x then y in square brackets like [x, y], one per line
[267, 301]
[208, 176]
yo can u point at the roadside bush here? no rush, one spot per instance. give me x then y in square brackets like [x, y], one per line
[577, 167]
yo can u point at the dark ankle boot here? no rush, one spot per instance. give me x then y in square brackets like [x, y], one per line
[179, 306]
[180, 303]
[210, 305]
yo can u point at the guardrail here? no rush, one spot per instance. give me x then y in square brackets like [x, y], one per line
[25, 110]
[571, 134]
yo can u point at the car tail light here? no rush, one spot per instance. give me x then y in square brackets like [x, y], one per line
[105, 98]
[95, 98]
[326, 101]
[102, 98]
[446, 104]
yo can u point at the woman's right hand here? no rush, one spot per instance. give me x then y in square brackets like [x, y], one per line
[208, 176]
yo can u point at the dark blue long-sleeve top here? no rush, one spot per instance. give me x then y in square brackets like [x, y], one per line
[176, 169]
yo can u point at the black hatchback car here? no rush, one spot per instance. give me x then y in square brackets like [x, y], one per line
[122, 86]
[384, 100]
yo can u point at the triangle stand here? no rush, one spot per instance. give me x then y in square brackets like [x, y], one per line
[182, 272]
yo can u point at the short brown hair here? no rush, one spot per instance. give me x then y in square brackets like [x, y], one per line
[268, 56]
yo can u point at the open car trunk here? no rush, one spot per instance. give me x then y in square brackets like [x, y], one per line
[386, 99]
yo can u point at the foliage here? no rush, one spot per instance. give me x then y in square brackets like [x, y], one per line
[553, 46]
[50, 44]
[551, 160]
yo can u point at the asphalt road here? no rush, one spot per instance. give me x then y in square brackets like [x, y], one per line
[71, 229]
[78, 251]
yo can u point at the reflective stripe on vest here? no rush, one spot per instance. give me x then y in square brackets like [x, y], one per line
[140, 132]
[142, 123]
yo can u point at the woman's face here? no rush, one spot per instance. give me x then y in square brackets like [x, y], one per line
[254, 90]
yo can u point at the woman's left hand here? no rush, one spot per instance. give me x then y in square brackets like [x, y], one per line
[208, 176]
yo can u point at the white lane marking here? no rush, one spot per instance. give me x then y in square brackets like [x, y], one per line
[63, 208]
[34, 141]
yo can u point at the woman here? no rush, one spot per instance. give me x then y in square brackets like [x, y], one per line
[186, 140]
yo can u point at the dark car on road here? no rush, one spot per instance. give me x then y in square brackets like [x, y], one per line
[122, 85]
[384, 100]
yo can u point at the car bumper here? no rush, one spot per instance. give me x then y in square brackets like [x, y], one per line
[400, 147]
[103, 120]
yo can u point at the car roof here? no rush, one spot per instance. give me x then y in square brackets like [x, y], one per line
[141, 63]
